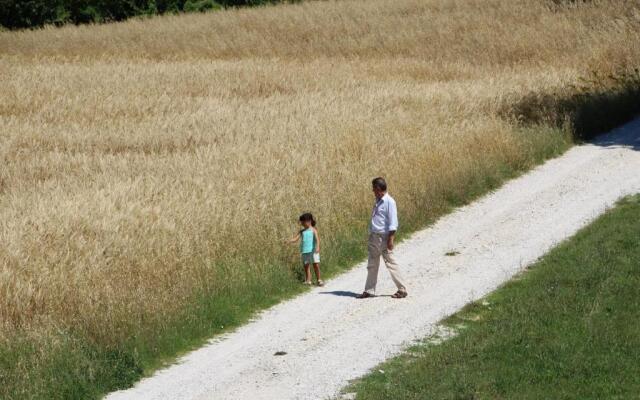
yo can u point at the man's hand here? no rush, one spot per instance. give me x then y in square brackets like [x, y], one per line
[392, 236]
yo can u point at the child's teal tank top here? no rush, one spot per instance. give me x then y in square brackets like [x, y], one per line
[307, 242]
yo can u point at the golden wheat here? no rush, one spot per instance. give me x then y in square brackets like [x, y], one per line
[138, 158]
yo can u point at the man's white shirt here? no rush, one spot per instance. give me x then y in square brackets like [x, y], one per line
[384, 217]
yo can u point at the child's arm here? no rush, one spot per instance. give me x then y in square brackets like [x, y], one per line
[315, 234]
[294, 239]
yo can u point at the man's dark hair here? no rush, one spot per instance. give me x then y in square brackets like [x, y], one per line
[379, 183]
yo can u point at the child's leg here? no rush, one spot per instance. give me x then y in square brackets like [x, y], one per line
[307, 273]
[316, 269]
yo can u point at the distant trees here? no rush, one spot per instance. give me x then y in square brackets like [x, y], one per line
[15, 14]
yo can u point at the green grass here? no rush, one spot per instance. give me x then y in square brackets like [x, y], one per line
[567, 328]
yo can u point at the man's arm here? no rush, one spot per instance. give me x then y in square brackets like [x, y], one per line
[393, 224]
[390, 239]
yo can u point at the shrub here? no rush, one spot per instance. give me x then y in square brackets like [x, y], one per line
[201, 5]
[17, 14]
[597, 104]
[28, 13]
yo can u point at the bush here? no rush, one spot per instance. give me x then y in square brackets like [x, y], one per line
[167, 6]
[18, 14]
[599, 104]
[201, 5]
[28, 13]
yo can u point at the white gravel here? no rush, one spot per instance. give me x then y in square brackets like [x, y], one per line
[331, 338]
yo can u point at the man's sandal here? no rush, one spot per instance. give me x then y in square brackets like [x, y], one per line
[364, 295]
[399, 295]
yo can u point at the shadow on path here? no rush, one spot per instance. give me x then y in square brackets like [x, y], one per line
[627, 136]
[342, 293]
[346, 293]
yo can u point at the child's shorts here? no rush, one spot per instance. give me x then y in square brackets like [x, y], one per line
[310, 258]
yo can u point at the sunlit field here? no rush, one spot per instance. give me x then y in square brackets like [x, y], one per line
[151, 169]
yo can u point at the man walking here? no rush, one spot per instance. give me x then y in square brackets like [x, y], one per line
[382, 231]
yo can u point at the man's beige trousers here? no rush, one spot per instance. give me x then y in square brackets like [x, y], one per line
[378, 248]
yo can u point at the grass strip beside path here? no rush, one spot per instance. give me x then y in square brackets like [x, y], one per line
[567, 328]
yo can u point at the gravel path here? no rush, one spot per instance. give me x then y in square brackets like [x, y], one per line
[330, 337]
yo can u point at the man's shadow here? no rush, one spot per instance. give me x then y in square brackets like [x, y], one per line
[346, 293]
[342, 293]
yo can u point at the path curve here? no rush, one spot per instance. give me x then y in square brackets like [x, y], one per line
[331, 338]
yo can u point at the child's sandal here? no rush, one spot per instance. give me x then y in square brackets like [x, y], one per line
[307, 283]
[320, 282]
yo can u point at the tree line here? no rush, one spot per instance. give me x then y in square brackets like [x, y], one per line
[17, 14]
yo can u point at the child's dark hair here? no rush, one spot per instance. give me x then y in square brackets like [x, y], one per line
[308, 217]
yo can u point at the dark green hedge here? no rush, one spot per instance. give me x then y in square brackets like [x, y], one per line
[17, 14]
[599, 103]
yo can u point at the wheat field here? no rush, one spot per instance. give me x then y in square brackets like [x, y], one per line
[147, 162]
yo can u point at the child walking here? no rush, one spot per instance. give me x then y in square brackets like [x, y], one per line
[309, 247]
